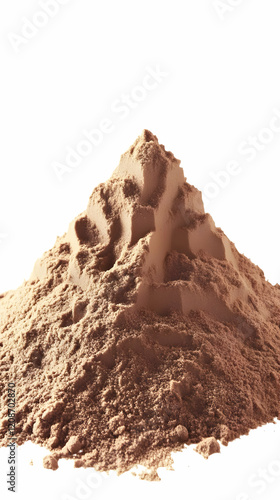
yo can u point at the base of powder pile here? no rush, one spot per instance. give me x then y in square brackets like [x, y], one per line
[142, 330]
[206, 447]
[252, 456]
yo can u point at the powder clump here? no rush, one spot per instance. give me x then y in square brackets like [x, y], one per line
[141, 330]
[208, 447]
[182, 433]
[50, 462]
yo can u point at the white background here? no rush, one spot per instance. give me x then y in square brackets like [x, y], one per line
[219, 90]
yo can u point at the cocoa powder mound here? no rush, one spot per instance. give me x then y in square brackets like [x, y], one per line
[141, 330]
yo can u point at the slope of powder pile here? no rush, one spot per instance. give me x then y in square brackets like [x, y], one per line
[142, 329]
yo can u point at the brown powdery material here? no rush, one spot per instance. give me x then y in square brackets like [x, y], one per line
[141, 330]
[207, 447]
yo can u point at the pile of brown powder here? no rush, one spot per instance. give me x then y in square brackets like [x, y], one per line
[142, 329]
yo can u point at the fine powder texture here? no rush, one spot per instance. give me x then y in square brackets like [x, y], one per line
[143, 329]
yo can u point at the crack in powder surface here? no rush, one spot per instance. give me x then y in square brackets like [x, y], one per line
[142, 329]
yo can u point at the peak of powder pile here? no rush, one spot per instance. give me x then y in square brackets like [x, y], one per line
[141, 325]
